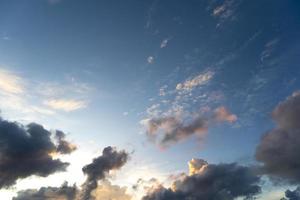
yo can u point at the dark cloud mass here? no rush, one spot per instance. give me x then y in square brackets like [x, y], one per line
[279, 149]
[64, 146]
[292, 195]
[111, 159]
[25, 151]
[212, 182]
[64, 192]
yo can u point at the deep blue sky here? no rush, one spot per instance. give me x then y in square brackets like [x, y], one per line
[115, 57]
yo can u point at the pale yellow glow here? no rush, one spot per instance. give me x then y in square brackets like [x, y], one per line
[10, 83]
[65, 104]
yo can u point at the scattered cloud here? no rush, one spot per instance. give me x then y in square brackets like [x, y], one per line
[27, 150]
[199, 80]
[210, 181]
[269, 49]
[164, 43]
[170, 129]
[226, 11]
[65, 104]
[150, 59]
[279, 148]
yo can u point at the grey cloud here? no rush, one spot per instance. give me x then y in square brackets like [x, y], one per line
[279, 149]
[25, 151]
[292, 195]
[111, 159]
[168, 130]
[214, 182]
[64, 146]
[64, 192]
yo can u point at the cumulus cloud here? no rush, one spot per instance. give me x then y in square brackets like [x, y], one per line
[64, 192]
[25, 151]
[168, 130]
[108, 191]
[65, 104]
[196, 166]
[221, 181]
[63, 145]
[199, 80]
[279, 149]
[111, 159]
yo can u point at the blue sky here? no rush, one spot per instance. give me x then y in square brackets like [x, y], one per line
[98, 70]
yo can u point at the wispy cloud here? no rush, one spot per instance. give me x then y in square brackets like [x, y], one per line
[226, 11]
[199, 80]
[23, 98]
[11, 83]
[65, 104]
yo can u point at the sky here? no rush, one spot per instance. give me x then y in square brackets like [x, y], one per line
[150, 100]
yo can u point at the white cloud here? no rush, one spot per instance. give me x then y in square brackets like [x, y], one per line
[201, 79]
[150, 59]
[10, 82]
[164, 43]
[65, 104]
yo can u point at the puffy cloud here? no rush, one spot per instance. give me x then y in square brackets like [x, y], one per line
[64, 192]
[111, 159]
[222, 182]
[65, 104]
[199, 80]
[279, 149]
[168, 130]
[223, 114]
[108, 191]
[25, 151]
[293, 195]
[196, 166]
[64, 146]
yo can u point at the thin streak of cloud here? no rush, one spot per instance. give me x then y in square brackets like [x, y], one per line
[199, 80]
[65, 104]
[11, 83]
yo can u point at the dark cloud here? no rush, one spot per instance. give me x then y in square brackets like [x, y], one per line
[25, 151]
[64, 146]
[64, 192]
[279, 149]
[168, 130]
[292, 195]
[111, 159]
[211, 182]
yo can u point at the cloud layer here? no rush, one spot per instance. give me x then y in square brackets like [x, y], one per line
[279, 149]
[64, 192]
[26, 150]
